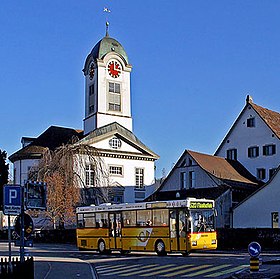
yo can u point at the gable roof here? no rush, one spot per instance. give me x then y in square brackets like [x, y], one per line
[221, 168]
[270, 117]
[52, 138]
[230, 172]
[123, 133]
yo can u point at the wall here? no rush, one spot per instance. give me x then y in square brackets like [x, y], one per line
[242, 137]
[202, 179]
[255, 212]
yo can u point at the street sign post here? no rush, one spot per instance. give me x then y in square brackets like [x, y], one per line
[254, 249]
[12, 199]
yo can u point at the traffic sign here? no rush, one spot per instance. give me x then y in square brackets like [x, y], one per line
[12, 199]
[28, 225]
[254, 249]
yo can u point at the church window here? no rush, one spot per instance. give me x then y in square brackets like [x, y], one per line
[232, 154]
[91, 99]
[269, 150]
[89, 175]
[253, 151]
[261, 174]
[114, 96]
[116, 170]
[251, 122]
[115, 143]
[139, 177]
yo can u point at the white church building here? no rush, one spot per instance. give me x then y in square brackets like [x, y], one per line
[108, 127]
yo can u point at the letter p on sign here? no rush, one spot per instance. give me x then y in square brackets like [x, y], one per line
[12, 195]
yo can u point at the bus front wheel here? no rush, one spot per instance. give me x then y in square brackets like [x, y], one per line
[160, 248]
[101, 247]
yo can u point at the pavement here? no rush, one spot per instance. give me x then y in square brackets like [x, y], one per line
[269, 269]
[47, 268]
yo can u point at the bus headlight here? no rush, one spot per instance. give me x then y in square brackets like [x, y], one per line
[213, 241]
[194, 243]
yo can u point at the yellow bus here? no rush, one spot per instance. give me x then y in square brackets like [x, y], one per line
[160, 226]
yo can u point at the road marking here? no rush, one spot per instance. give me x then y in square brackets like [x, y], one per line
[207, 270]
[116, 270]
[121, 270]
[166, 270]
[151, 268]
[186, 270]
[231, 270]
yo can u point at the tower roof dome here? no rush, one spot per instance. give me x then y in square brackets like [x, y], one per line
[104, 46]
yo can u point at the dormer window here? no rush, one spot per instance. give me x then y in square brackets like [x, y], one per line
[251, 122]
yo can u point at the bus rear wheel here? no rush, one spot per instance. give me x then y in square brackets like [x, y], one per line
[101, 247]
[160, 248]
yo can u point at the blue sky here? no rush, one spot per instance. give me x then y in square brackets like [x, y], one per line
[194, 62]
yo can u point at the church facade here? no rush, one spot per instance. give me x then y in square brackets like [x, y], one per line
[108, 128]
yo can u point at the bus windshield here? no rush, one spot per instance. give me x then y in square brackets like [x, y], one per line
[202, 221]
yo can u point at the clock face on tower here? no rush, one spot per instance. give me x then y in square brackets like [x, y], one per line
[114, 69]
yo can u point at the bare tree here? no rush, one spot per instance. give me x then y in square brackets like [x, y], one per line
[64, 171]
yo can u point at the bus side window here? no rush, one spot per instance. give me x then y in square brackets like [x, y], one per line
[129, 218]
[81, 223]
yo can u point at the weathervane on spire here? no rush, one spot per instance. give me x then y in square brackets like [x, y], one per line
[106, 10]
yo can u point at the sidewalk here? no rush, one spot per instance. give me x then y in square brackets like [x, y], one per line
[269, 269]
[58, 267]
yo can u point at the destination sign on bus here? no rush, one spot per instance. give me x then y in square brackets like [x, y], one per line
[201, 205]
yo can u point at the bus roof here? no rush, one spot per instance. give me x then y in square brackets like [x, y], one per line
[191, 203]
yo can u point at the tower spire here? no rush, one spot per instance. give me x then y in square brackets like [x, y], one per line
[107, 29]
[107, 11]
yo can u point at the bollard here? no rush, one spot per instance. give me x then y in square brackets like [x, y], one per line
[254, 264]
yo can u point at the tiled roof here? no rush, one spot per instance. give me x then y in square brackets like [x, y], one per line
[52, 138]
[219, 167]
[271, 118]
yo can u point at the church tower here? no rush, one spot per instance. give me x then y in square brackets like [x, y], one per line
[107, 86]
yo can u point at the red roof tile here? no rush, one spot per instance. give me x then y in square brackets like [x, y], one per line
[219, 167]
[272, 118]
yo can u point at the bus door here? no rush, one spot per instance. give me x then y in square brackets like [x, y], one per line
[115, 230]
[177, 226]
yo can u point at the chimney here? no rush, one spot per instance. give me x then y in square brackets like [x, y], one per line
[249, 99]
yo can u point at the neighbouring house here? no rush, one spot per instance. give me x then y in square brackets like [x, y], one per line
[129, 164]
[260, 209]
[204, 176]
[254, 140]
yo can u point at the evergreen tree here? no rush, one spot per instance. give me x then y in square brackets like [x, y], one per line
[4, 173]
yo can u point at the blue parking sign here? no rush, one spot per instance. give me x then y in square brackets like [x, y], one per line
[12, 199]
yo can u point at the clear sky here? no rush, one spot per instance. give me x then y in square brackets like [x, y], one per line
[194, 62]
